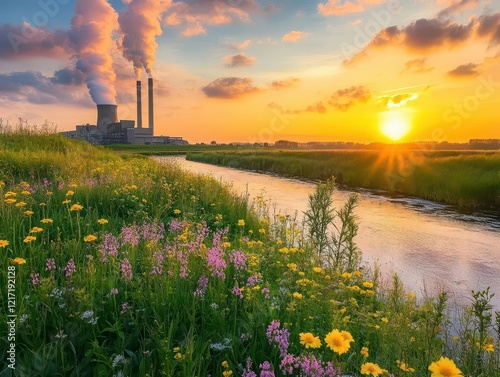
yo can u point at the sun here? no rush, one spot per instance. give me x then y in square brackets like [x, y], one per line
[395, 124]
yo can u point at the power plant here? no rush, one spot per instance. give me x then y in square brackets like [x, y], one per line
[109, 130]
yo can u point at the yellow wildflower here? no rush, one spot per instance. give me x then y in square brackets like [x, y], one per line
[337, 342]
[177, 211]
[297, 295]
[292, 266]
[489, 347]
[4, 243]
[102, 221]
[444, 367]
[367, 284]
[66, 201]
[371, 369]
[225, 364]
[241, 222]
[18, 261]
[20, 204]
[28, 239]
[70, 193]
[364, 352]
[36, 229]
[76, 207]
[227, 373]
[318, 270]
[10, 201]
[384, 319]
[28, 212]
[346, 275]
[10, 194]
[262, 231]
[89, 238]
[46, 221]
[308, 340]
[25, 192]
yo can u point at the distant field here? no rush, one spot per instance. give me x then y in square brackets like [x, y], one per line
[468, 179]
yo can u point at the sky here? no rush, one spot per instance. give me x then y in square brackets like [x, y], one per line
[259, 70]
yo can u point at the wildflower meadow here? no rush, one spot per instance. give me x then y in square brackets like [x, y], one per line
[116, 265]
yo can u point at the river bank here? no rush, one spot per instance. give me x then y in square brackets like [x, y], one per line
[469, 180]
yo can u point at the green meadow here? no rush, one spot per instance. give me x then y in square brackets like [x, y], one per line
[466, 179]
[115, 265]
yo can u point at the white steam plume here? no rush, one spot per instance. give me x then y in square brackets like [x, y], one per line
[140, 24]
[91, 33]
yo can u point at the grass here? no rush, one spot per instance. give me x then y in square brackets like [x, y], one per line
[466, 179]
[127, 267]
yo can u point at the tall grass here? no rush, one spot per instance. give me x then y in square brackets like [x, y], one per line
[466, 179]
[125, 267]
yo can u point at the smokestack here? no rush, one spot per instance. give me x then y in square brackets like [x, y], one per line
[150, 103]
[139, 105]
[106, 114]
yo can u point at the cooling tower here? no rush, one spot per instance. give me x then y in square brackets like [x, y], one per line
[150, 105]
[106, 114]
[139, 105]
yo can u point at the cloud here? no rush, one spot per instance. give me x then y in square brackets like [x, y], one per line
[457, 7]
[344, 99]
[341, 7]
[318, 107]
[293, 36]
[26, 41]
[239, 46]
[240, 60]
[418, 65]
[397, 100]
[427, 34]
[282, 84]
[489, 27]
[192, 15]
[229, 87]
[68, 76]
[33, 87]
[465, 70]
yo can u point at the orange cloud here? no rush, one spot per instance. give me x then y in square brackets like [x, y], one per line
[341, 7]
[344, 99]
[397, 100]
[417, 66]
[193, 15]
[239, 60]
[229, 87]
[465, 70]
[428, 34]
[282, 84]
[293, 36]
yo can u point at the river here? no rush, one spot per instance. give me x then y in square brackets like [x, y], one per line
[431, 246]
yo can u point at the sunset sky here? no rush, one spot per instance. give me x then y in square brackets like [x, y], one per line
[259, 70]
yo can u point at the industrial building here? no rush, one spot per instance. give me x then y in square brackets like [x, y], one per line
[109, 130]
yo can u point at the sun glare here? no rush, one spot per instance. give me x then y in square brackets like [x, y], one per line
[395, 125]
